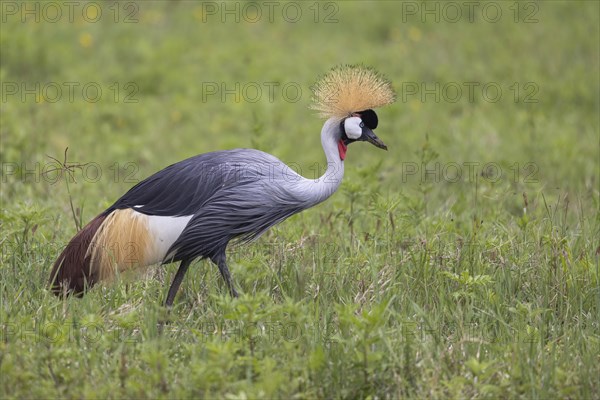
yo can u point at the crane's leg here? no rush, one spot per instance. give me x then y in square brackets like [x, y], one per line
[183, 267]
[222, 264]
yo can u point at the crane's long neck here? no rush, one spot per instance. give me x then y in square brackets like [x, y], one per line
[318, 190]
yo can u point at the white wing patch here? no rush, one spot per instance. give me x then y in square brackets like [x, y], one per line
[164, 231]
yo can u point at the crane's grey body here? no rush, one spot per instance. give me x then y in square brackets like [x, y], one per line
[254, 192]
[231, 194]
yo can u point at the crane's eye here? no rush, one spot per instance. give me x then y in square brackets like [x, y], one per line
[369, 118]
[362, 125]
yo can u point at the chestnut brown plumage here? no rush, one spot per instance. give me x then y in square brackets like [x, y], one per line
[72, 272]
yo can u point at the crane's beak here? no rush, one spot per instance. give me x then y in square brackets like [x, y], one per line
[369, 136]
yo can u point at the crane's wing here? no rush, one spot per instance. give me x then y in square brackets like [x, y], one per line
[182, 189]
[227, 194]
[250, 195]
[242, 212]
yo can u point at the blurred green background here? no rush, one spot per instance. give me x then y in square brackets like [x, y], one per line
[524, 143]
[166, 56]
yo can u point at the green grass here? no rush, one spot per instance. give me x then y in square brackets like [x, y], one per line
[409, 282]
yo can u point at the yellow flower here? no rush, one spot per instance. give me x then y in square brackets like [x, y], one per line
[199, 14]
[85, 40]
[415, 105]
[414, 34]
[175, 116]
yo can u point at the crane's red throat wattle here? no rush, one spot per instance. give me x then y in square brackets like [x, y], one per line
[342, 149]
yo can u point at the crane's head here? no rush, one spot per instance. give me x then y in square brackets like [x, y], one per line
[349, 94]
[359, 127]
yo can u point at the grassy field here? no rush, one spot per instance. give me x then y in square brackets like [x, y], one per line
[462, 263]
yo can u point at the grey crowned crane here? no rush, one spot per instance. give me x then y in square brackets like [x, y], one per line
[194, 208]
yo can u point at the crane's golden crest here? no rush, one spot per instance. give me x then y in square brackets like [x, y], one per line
[348, 89]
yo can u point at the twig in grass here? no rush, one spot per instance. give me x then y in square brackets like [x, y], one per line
[69, 168]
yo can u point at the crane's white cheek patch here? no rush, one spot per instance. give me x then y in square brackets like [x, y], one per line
[352, 127]
[164, 231]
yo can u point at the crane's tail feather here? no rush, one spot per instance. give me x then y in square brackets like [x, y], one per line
[109, 244]
[72, 270]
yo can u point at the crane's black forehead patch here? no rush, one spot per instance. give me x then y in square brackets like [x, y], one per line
[369, 118]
